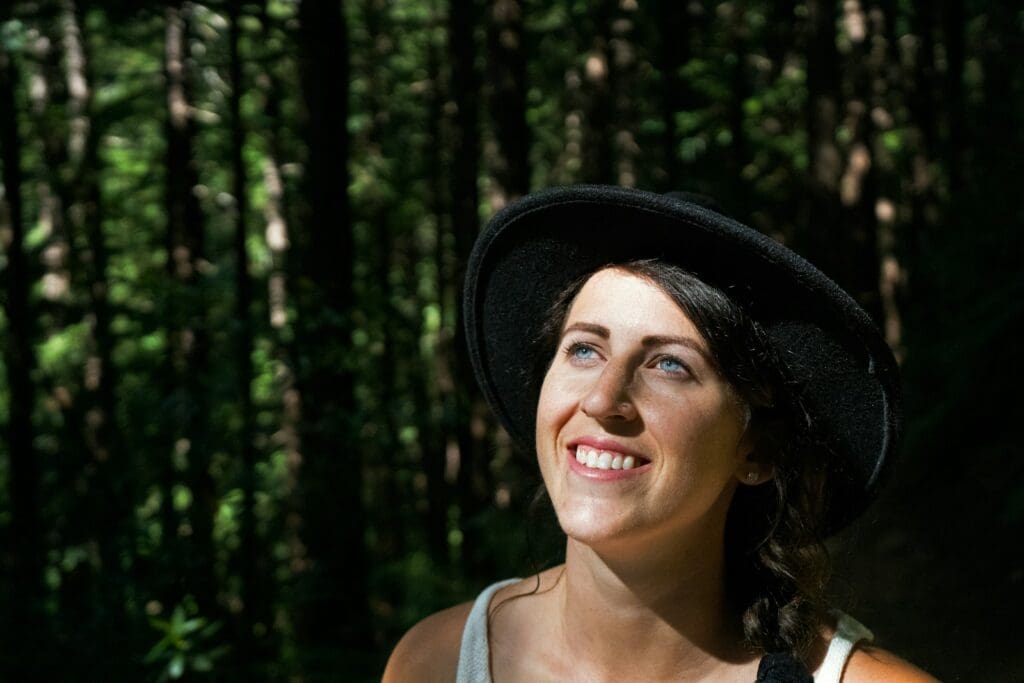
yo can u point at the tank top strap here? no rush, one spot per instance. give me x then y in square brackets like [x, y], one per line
[848, 633]
[475, 651]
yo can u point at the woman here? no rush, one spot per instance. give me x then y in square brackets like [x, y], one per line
[705, 406]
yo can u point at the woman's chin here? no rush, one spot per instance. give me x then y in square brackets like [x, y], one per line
[585, 529]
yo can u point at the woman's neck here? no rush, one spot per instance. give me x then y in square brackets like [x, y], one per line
[650, 615]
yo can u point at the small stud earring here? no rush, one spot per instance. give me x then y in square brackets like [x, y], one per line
[752, 476]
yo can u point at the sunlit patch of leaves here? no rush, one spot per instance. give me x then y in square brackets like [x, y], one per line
[186, 645]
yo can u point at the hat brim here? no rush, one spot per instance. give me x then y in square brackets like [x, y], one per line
[844, 372]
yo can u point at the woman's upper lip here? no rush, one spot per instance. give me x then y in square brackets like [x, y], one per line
[604, 444]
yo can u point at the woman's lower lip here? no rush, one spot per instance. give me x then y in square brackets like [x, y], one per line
[599, 474]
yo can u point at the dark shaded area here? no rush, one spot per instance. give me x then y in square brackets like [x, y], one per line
[240, 436]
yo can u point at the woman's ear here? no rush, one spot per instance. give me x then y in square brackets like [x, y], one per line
[751, 472]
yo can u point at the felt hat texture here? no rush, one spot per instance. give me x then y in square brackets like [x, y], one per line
[844, 373]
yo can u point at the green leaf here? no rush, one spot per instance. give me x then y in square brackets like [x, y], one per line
[156, 651]
[12, 35]
[193, 624]
[892, 140]
[753, 106]
[177, 666]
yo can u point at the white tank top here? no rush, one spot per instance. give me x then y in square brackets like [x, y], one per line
[475, 653]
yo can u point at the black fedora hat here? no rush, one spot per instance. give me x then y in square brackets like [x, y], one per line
[844, 372]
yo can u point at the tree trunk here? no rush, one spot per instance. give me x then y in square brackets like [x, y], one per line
[990, 190]
[858, 268]
[598, 102]
[825, 162]
[471, 427]
[255, 616]
[276, 214]
[187, 333]
[110, 494]
[74, 527]
[779, 37]
[436, 388]
[510, 165]
[24, 556]
[888, 266]
[954, 28]
[623, 64]
[673, 53]
[48, 102]
[739, 151]
[391, 329]
[921, 85]
[332, 607]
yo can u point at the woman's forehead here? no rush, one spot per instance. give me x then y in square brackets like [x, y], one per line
[628, 302]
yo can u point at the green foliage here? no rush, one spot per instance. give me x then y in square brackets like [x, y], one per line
[12, 36]
[186, 646]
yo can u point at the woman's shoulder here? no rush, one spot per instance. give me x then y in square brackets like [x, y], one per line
[429, 651]
[868, 664]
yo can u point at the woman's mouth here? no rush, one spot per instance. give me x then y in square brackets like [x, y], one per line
[603, 461]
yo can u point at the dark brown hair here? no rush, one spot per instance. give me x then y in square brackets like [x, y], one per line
[776, 563]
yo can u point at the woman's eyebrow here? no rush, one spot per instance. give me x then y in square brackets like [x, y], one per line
[649, 341]
[689, 342]
[592, 328]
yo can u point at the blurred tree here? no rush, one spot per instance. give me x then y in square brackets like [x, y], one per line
[920, 82]
[471, 426]
[858, 182]
[824, 159]
[102, 437]
[507, 86]
[597, 95]
[385, 283]
[954, 25]
[628, 95]
[674, 53]
[739, 93]
[436, 386]
[190, 536]
[332, 579]
[23, 558]
[102, 515]
[58, 311]
[252, 562]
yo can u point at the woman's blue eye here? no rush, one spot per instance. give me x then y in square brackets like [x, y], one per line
[582, 352]
[671, 365]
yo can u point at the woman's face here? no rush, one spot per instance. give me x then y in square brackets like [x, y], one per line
[633, 393]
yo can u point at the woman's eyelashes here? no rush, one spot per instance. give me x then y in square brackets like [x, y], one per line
[672, 365]
[581, 352]
[585, 354]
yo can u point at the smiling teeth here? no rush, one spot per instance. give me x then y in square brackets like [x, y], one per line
[604, 460]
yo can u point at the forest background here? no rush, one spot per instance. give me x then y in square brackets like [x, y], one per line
[241, 439]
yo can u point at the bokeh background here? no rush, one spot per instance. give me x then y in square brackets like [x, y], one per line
[241, 440]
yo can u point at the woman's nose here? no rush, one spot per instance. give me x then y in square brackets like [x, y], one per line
[609, 398]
